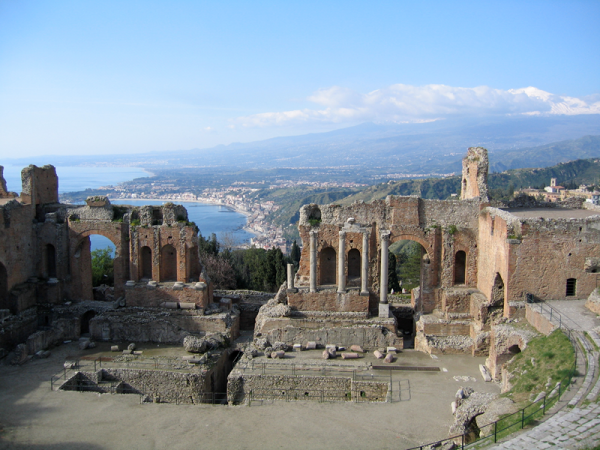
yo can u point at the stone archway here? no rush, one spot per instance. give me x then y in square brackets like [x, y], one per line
[424, 299]
[327, 266]
[80, 256]
[168, 263]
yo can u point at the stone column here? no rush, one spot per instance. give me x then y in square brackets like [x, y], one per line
[364, 268]
[384, 307]
[313, 261]
[342, 263]
[290, 278]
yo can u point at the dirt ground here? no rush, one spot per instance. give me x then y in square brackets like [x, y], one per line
[34, 417]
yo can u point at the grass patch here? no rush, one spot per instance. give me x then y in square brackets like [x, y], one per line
[545, 358]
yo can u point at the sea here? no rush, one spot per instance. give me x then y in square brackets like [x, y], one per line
[226, 223]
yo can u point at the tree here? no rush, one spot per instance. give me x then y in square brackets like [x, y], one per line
[392, 275]
[295, 255]
[102, 267]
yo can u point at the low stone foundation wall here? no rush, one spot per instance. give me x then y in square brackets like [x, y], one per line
[328, 300]
[331, 329]
[241, 387]
[538, 320]
[146, 295]
[160, 325]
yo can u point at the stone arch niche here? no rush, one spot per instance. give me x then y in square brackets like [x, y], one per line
[80, 256]
[146, 262]
[327, 266]
[354, 266]
[460, 267]
[50, 261]
[168, 263]
[4, 303]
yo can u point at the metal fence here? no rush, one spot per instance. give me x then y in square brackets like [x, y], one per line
[501, 428]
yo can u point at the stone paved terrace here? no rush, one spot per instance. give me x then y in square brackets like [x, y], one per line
[551, 213]
[577, 424]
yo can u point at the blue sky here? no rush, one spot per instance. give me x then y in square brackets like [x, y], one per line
[90, 77]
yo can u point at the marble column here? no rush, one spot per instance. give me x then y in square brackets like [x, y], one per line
[364, 268]
[342, 263]
[384, 307]
[290, 278]
[313, 261]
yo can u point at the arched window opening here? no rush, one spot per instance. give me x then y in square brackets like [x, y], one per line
[498, 291]
[460, 267]
[328, 266]
[571, 287]
[354, 263]
[168, 263]
[146, 262]
[50, 261]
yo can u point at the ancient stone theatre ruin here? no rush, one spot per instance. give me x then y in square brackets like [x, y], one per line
[481, 262]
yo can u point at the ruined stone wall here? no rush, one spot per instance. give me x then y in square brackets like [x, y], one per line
[474, 174]
[146, 295]
[158, 325]
[166, 386]
[494, 254]
[39, 184]
[18, 251]
[344, 329]
[242, 385]
[538, 320]
[328, 300]
[441, 227]
[551, 252]
[178, 235]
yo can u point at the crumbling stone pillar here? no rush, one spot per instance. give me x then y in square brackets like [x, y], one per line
[313, 261]
[364, 270]
[384, 307]
[342, 263]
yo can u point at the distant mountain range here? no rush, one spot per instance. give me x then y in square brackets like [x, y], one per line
[424, 148]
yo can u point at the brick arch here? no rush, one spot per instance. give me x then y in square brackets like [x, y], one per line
[80, 257]
[395, 237]
[87, 233]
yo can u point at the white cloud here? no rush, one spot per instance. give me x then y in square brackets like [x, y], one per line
[405, 103]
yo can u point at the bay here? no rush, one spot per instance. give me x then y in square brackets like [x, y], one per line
[224, 222]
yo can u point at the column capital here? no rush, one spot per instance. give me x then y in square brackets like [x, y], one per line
[343, 233]
[313, 233]
[385, 235]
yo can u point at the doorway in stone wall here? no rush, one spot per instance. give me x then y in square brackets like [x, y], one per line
[85, 322]
[354, 266]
